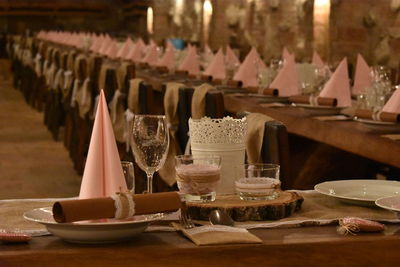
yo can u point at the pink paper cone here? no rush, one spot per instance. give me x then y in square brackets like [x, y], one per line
[247, 72]
[103, 175]
[287, 81]
[393, 105]
[338, 86]
[362, 78]
[112, 50]
[191, 63]
[317, 61]
[168, 59]
[125, 48]
[151, 57]
[216, 69]
[230, 57]
[286, 55]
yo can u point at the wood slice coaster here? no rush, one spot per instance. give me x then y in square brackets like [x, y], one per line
[283, 206]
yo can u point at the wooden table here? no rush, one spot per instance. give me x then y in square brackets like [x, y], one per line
[307, 246]
[349, 136]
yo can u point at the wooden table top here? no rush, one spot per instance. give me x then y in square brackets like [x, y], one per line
[306, 246]
[350, 136]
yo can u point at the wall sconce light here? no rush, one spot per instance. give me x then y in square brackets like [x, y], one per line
[150, 18]
[207, 14]
[321, 26]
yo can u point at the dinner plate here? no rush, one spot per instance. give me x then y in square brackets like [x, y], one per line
[390, 203]
[93, 231]
[360, 192]
[379, 125]
[319, 110]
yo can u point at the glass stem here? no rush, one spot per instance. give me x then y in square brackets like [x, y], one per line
[150, 182]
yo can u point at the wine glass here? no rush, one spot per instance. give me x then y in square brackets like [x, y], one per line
[150, 141]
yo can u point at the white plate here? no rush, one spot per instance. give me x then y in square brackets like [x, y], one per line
[319, 110]
[390, 203]
[379, 125]
[364, 192]
[94, 231]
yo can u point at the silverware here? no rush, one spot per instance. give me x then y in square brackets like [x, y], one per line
[220, 217]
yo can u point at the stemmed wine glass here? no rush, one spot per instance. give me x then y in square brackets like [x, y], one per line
[149, 142]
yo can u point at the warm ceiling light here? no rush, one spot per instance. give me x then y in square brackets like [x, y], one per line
[150, 18]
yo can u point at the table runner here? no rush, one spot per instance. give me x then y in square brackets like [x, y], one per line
[317, 209]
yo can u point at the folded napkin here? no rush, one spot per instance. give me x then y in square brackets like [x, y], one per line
[362, 78]
[216, 69]
[230, 57]
[112, 50]
[287, 81]
[125, 48]
[191, 62]
[314, 101]
[199, 100]
[168, 59]
[255, 136]
[338, 86]
[103, 174]
[263, 91]
[247, 72]
[171, 100]
[109, 207]
[218, 235]
[377, 115]
[151, 56]
[286, 55]
[137, 51]
[393, 104]
[317, 61]
[104, 45]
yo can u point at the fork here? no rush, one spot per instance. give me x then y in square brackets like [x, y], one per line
[184, 218]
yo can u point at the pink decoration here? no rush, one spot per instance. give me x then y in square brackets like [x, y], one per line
[168, 59]
[286, 55]
[125, 48]
[104, 46]
[338, 86]
[286, 81]
[191, 63]
[151, 56]
[247, 72]
[317, 61]
[393, 104]
[230, 57]
[112, 50]
[216, 69]
[103, 174]
[362, 78]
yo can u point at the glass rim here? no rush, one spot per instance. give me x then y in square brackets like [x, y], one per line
[197, 157]
[150, 116]
[262, 166]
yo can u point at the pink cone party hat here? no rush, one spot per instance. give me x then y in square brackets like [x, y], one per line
[362, 78]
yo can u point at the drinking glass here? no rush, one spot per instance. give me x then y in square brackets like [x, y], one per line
[150, 141]
[260, 182]
[129, 174]
[198, 176]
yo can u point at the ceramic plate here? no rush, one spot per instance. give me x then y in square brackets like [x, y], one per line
[319, 110]
[379, 125]
[364, 192]
[390, 203]
[93, 231]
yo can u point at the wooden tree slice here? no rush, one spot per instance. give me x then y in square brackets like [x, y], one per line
[283, 206]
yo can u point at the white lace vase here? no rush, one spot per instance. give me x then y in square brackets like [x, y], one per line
[221, 137]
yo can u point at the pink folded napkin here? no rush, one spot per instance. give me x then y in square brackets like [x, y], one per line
[247, 72]
[191, 62]
[125, 48]
[96, 44]
[168, 59]
[287, 81]
[216, 69]
[141, 45]
[317, 61]
[393, 104]
[104, 45]
[103, 174]
[362, 78]
[286, 55]
[112, 50]
[230, 57]
[151, 56]
[338, 86]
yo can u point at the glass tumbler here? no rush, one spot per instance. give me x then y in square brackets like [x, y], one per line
[129, 174]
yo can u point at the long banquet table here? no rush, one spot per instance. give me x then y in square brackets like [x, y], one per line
[306, 246]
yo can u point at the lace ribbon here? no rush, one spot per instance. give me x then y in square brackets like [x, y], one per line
[124, 205]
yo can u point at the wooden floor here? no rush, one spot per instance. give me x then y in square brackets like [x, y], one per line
[32, 164]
